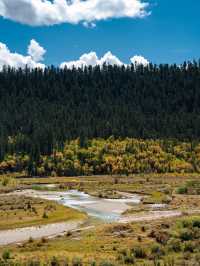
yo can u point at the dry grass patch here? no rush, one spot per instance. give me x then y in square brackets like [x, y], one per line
[20, 211]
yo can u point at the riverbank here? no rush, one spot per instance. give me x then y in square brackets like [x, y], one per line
[19, 235]
[141, 219]
[17, 211]
[108, 210]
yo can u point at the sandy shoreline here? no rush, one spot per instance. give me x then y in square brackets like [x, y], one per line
[20, 235]
[155, 215]
[150, 216]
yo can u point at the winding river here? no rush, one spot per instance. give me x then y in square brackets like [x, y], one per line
[108, 210]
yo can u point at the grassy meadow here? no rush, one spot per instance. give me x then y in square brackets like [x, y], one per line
[167, 242]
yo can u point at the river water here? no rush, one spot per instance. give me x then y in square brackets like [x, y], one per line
[108, 210]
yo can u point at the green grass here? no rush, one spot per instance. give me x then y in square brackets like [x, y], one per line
[20, 211]
[169, 241]
[140, 243]
[191, 187]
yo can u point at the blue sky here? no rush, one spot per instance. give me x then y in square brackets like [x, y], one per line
[170, 34]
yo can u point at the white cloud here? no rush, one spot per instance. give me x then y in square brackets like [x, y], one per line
[16, 60]
[110, 59]
[85, 60]
[46, 12]
[91, 59]
[36, 51]
[139, 60]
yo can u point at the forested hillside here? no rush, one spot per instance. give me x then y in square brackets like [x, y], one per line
[110, 156]
[40, 110]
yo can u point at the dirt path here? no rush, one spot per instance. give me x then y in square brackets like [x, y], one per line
[154, 215]
[20, 235]
[150, 216]
[23, 234]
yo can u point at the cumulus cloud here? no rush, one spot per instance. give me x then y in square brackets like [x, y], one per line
[36, 51]
[110, 59]
[7, 58]
[91, 59]
[139, 60]
[35, 54]
[46, 12]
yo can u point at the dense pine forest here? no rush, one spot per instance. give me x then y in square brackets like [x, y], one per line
[41, 111]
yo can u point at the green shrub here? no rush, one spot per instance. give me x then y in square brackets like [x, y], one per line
[54, 262]
[45, 216]
[77, 262]
[186, 223]
[6, 255]
[156, 262]
[189, 247]
[93, 263]
[191, 187]
[5, 182]
[106, 263]
[186, 235]
[139, 252]
[196, 223]
[182, 190]
[129, 259]
[157, 250]
[174, 245]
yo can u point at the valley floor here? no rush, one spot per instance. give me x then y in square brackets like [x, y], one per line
[164, 227]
